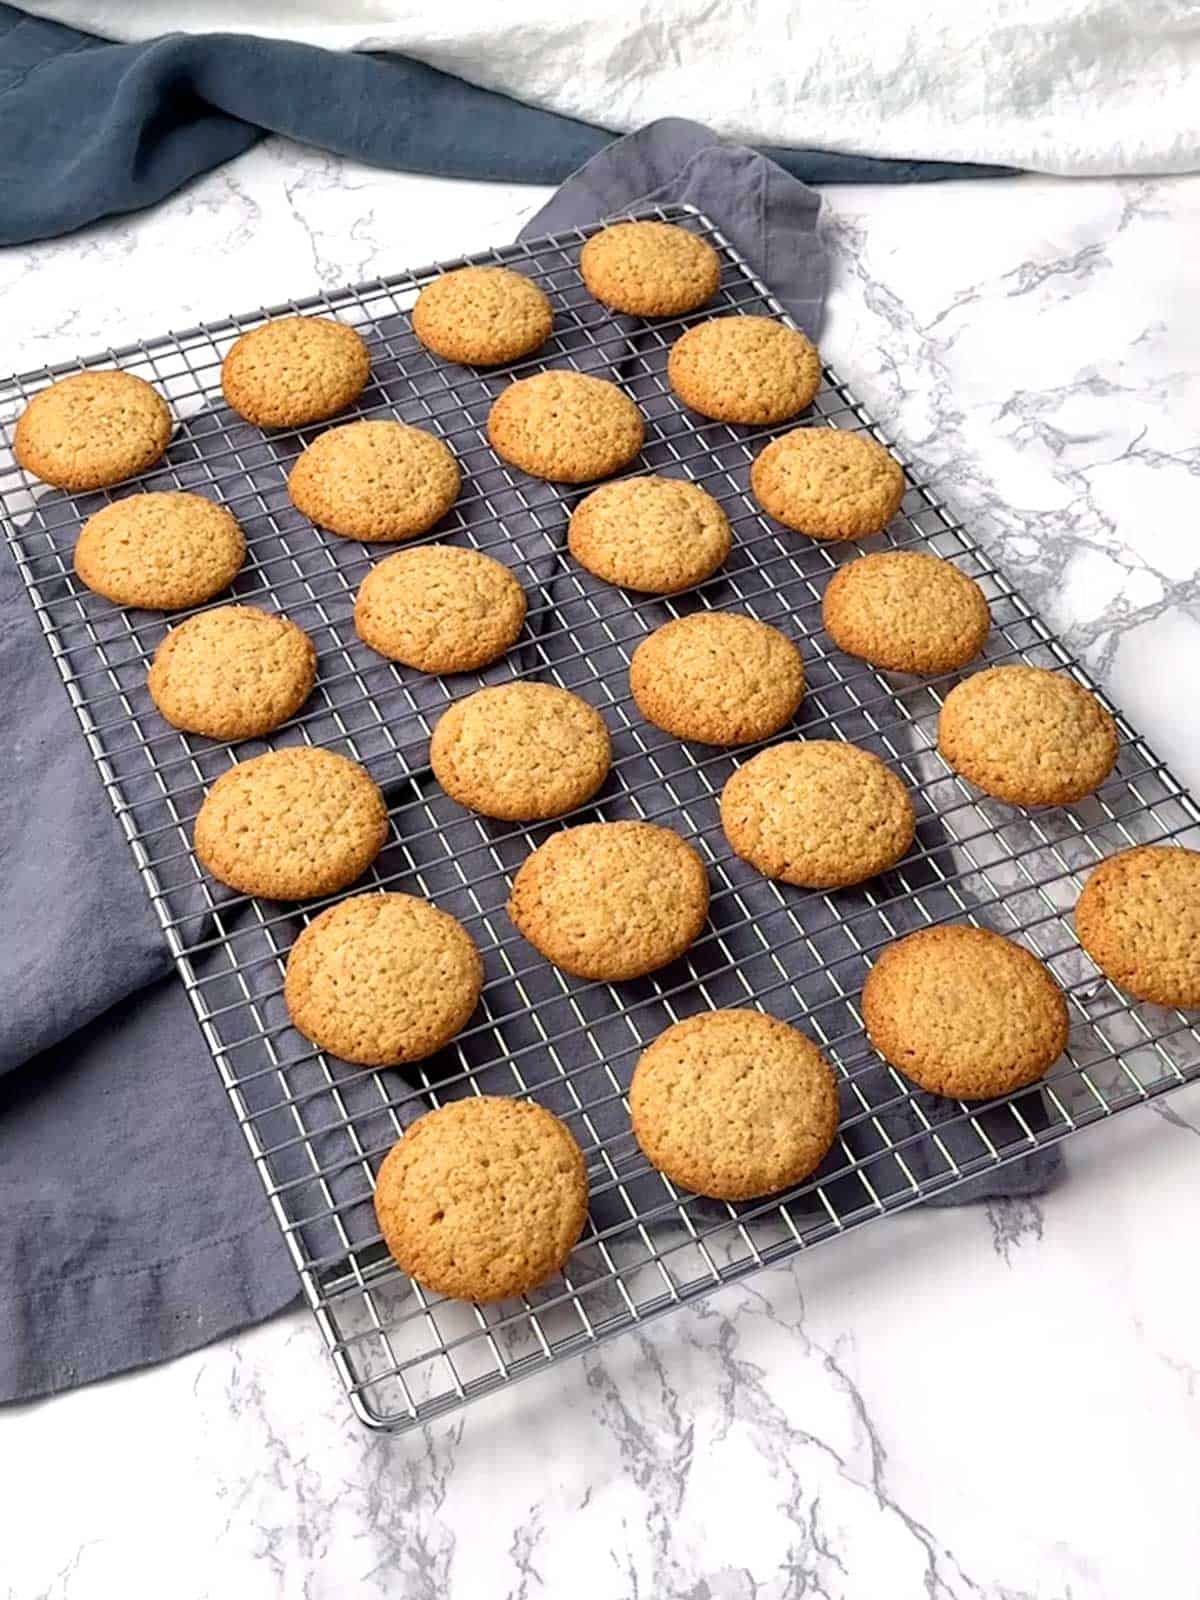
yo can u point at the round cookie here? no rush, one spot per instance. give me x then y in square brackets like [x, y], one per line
[482, 316]
[1029, 736]
[294, 370]
[382, 979]
[734, 1105]
[291, 825]
[744, 369]
[964, 1012]
[92, 429]
[817, 813]
[717, 677]
[906, 612]
[440, 608]
[649, 269]
[375, 480]
[566, 427]
[611, 900]
[483, 1199]
[828, 483]
[521, 752]
[653, 535]
[1139, 919]
[164, 551]
[232, 673]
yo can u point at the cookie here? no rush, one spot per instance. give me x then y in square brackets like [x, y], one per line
[817, 813]
[654, 535]
[162, 551]
[717, 677]
[611, 900]
[92, 429]
[295, 370]
[964, 1012]
[440, 608]
[382, 979]
[734, 1105]
[521, 752]
[483, 1199]
[828, 483]
[375, 480]
[232, 673]
[482, 316]
[649, 269]
[291, 825]
[1139, 919]
[744, 369]
[566, 427]
[906, 612]
[1026, 735]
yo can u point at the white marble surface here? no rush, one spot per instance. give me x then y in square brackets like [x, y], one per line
[994, 1403]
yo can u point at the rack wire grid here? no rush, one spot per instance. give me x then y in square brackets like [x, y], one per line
[317, 1128]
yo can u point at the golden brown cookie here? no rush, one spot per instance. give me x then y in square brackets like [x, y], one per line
[375, 480]
[382, 979]
[817, 813]
[650, 269]
[744, 369]
[611, 900]
[92, 429]
[566, 427]
[717, 677]
[232, 673]
[734, 1104]
[828, 483]
[440, 608]
[295, 370]
[483, 1199]
[1139, 919]
[1026, 735]
[964, 1012]
[521, 751]
[291, 825]
[162, 551]
[906, 612]
[654, 535]
[482, 316]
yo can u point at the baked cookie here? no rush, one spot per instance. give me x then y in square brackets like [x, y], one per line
[382, 979]
[291, 825]
[964, 1012]
[1139, 919]
[92, 429]
[521, 752]
[162, 551]
[611, 900]
[649, 269]
[375, 480]
[232, 673]
[440, 608]
[482, 316]
[717, 677]
[828, 483]
[295, 370]
[906, 612]
[566, 427]
[744, 369]
[817, 813]
[483, 1199]
[734, 1105]
[654, 535]
[1026, 735]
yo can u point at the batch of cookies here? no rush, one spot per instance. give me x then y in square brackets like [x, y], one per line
[485, 1197]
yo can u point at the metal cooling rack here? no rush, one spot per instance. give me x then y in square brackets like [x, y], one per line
[317, 1129]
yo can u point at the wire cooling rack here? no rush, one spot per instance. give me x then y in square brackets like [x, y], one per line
[316, 1128]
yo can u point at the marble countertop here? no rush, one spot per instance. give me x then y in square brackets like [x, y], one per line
[995, 1402]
